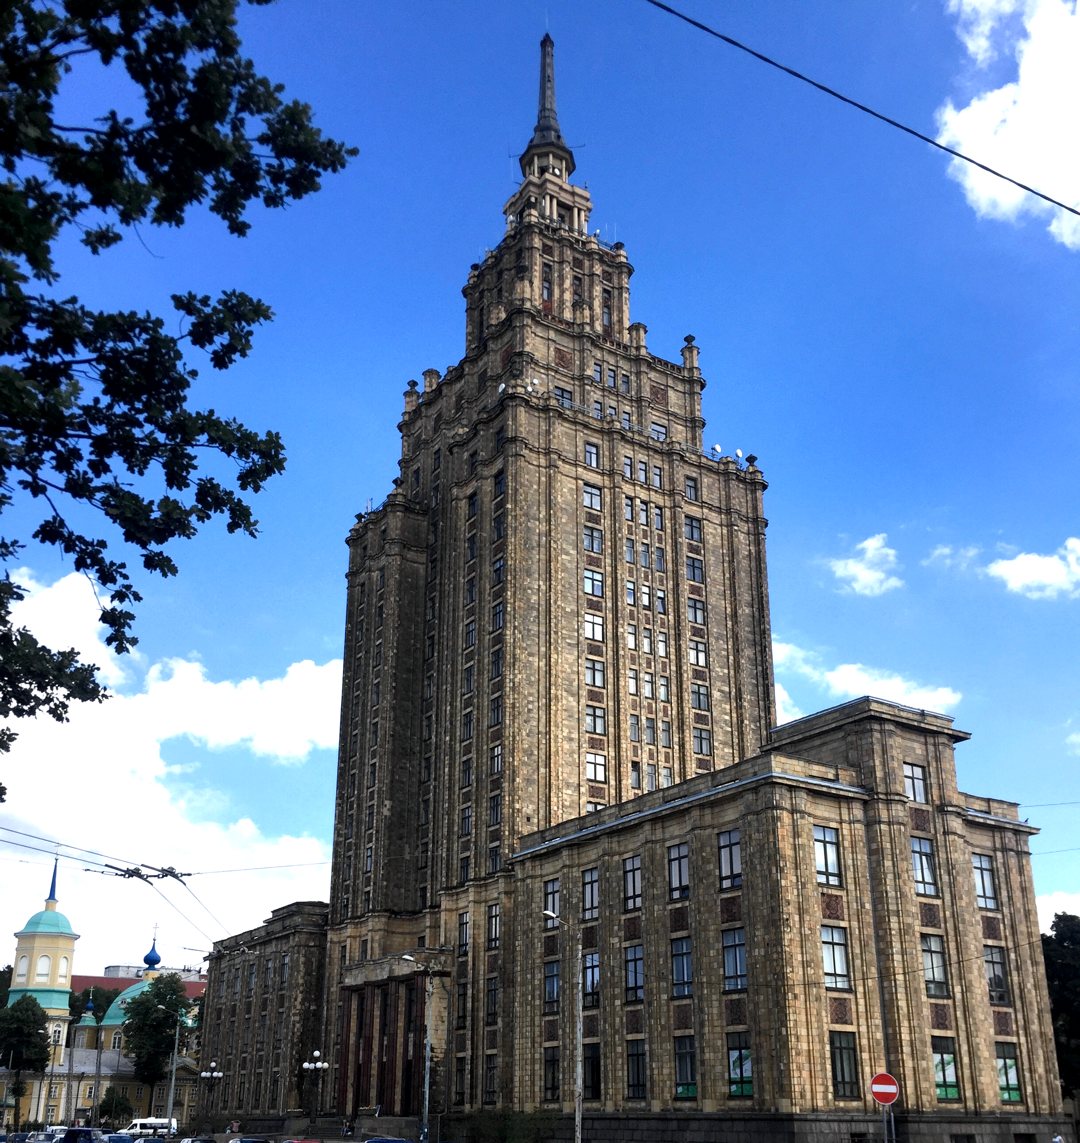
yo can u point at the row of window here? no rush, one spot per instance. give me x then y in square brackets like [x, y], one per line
[738, 1069]
[936, 976]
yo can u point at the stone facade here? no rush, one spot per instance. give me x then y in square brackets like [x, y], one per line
[571, 859]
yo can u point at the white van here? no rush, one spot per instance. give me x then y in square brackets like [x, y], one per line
[139, 1127]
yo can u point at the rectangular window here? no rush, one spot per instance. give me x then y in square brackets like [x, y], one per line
[692, 527]
[922, 864]
[845, 1065]
[610, 377]
[597, 372]
[685, 1068]
[628, 505]
[740, 1073]
[546, 274]
[943, 1049]
[590, 980]
[594, 672]
[933, 959]
[551, 1075]
[661, 644]
[695, 610]
[635, 728]
[631, 592]
[498, 569]
[594, 627]
[1008, 1069]
[915, 782]
[590, 1071]
[551, 986]
[698, 653]
[466, 726]
[631, 883]
[593, 582]
[595, 767]
[702, 740]
[552, 896]
[729, 850]
[997, 977]
[563, 397]
[648, 687]
[496, 663]
[628, 467]
[659, 559]
[592, 455]
[631, 636]
[636, 1071]
[498, 526]
[695, 569]
[663, 688]
[498, 487]
[491, 1072]
[682, 968]
[495, 759]
[699, 696]
[650, 731]
[632, 681]
[498, 615]
[470, 590]
[629, 551]
[470, 633]
[494, 809]
[985, 888]
[624, 382]
[590, 894]
[495, 711]
[827, 855]
[592, 497]
[643, 471]
[658, 516]
[734, 946]
[690, 488]
[665, 735]
[678, 861]
[634, 972]
[645, 558]
[658, 431]
[657, 477]
[494, 858]
[643, 513]
[471, 505]
[465, 821]
[468, 679]
[834, 956]
[463, 932]
[595, 720]
[494, 924]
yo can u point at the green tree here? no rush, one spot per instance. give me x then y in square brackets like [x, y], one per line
[5, 984]
[115, 1109]
[94, 417]
[150, 1027]
[1061, 953]
[24, 1043]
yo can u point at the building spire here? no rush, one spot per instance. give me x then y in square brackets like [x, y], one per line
[546, 136]
[52, 887]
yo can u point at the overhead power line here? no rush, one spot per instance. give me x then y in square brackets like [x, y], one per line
[857, 105]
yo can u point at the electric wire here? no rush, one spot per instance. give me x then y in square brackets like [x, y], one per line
[857, 105]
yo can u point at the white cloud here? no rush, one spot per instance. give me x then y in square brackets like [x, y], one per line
[853, 680]
[1048, 904]
[1072, 743]
[1042, 577]
[101, 781]
[870, 572]
[1024, 128]
[946, 556]
[786, 710]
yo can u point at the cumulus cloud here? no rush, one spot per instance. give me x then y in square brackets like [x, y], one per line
[1042, 577]
[1047, 905]
[1023, 128]
[1072, 743]
[869, 572]
[101, 781]
[786, 710]
[853, 680]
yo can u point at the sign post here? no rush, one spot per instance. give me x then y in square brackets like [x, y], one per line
[884, 1089]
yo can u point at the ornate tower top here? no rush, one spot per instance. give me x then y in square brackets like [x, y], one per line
[547, 142]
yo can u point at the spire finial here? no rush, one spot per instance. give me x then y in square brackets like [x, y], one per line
[52, 887]
[546, 135]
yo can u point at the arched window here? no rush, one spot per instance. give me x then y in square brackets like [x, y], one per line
[24, 967]
[117, 1041]
[63, 968]
[44, 964]
[56, 1034]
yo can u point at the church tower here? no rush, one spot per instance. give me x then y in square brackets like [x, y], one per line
[44, 956]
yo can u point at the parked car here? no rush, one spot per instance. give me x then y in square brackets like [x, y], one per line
[82, 1135]
[118, 1137]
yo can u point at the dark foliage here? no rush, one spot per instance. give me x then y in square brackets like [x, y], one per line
[1061, 952]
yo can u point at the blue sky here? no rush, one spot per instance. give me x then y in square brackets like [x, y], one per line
[897, 344]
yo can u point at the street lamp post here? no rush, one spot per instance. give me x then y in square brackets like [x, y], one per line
[315, 1068]
[172, 1074]
[429, 987]
[211, 1076]
[579, 1012]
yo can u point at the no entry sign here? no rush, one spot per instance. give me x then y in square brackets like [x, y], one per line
[884, 1088]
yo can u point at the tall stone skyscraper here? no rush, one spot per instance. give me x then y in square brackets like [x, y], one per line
[578, 874]
[563, 602]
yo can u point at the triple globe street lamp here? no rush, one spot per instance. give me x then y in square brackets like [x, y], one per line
[314, 1068]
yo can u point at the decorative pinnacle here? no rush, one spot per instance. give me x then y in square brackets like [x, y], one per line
[546, 135]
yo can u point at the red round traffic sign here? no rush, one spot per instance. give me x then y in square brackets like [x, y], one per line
[884, 1088]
